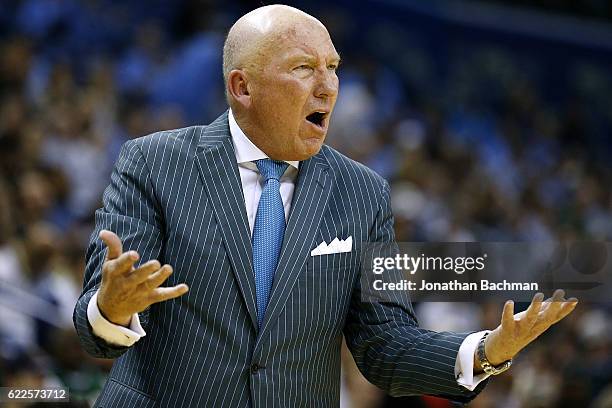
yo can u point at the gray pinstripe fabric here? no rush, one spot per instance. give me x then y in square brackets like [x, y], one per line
[176, 196]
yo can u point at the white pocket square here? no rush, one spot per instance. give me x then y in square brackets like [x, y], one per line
[334, 247]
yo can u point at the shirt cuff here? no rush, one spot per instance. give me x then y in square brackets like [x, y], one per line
[464, 365]
[113, 333]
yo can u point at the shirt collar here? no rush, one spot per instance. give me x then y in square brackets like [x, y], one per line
[246, 151]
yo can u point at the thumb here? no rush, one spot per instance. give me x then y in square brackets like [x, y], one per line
[112, 241]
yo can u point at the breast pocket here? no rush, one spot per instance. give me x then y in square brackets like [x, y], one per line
[327, 285]
[332, 261]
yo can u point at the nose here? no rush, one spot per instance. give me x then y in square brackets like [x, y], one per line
[327, 84]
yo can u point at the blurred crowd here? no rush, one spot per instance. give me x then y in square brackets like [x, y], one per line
[478, 139]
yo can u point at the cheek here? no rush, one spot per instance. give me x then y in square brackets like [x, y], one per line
[292, 104]
[284, 97]
[295, 90]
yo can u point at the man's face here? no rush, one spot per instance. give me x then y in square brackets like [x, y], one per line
[294, 92]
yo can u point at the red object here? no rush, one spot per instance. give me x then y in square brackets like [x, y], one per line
[435, 402]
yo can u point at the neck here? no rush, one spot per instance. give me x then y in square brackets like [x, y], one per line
[256, 135]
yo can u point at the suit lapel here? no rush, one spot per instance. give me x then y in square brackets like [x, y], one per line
[216, 161]
[313, 187]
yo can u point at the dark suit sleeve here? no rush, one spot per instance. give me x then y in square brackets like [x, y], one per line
[130, 211]
[390, 349]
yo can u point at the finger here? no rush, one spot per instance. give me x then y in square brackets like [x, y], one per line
[558, 296]
[546, 305]
[549, 316]
[556, 300]
[566, 308]
[163, 294]
[123, 264]
[140, 274]
[508, 315]
[158, 277]
[534, 308]
[112, 242]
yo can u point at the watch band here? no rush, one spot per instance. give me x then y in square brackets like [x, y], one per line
[487, 367]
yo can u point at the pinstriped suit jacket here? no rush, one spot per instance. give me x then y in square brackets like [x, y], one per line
[176, 196]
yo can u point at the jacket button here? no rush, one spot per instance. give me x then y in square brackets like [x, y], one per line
[255, 368]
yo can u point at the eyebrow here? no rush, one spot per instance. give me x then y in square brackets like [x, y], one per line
[304, 56]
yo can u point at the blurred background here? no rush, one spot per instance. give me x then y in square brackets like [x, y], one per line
[491, 120]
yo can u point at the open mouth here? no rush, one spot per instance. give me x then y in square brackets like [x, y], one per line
[317, 118]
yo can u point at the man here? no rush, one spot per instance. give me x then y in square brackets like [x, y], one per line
[234, 210]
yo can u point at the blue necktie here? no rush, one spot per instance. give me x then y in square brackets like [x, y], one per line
[268, 231]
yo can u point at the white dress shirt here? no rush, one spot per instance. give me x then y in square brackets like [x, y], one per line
[252, 185]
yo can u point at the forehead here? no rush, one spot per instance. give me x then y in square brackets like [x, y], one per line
[312, 40]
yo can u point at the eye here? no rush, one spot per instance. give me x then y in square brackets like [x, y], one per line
[303, 67]
[332, 67]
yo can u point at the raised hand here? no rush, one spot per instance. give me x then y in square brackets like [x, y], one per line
[126, 290]
[516, 331]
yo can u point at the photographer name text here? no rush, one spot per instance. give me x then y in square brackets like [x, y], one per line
[454, 285]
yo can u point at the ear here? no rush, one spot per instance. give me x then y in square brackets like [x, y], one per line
[237, 87]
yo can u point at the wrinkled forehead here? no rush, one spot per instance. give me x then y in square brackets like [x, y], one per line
[312, 39]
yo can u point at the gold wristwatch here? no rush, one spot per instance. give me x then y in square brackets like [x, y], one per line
[487, 367]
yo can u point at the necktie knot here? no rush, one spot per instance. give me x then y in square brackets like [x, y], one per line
[271, 169]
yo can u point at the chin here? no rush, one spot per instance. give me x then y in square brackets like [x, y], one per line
[310, 148]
